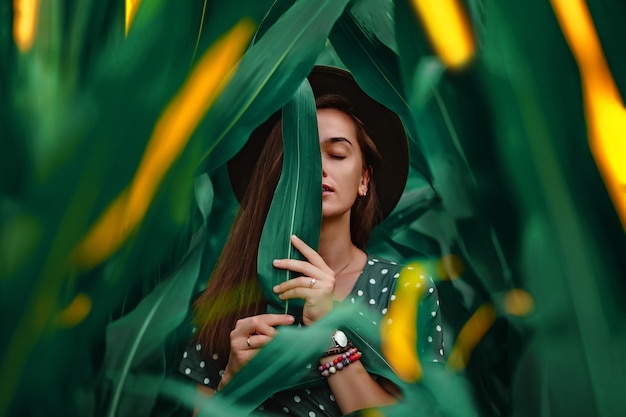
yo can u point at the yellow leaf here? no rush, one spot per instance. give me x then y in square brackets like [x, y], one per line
[470, 335]
[518, 302]
[448, 30]
[603, 104]
[450, 267]
[75, 312]
[171, 133]
[25, 16]
[399, 330]
[131, 9]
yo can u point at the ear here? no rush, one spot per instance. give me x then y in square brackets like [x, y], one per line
[365, 181]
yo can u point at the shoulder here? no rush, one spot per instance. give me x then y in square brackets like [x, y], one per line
[376, 283]
[385, 273]
[381, 272]
[376, 264]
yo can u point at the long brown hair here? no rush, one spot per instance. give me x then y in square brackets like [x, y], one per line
[233, 290]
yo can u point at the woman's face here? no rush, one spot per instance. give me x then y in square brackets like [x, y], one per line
[343, 176]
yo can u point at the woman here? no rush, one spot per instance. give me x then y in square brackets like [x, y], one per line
[362, 179]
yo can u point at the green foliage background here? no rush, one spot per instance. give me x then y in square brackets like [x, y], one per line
[501, 177]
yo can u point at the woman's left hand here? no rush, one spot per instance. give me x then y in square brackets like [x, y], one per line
[316, 285]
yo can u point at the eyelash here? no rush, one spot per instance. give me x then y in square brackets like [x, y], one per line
[339, 157]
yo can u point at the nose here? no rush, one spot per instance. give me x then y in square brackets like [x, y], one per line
[323, 168]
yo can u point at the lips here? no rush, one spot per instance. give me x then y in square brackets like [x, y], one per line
[327, 188]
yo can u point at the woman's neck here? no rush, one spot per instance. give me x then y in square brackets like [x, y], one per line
[341, 255]
[336, 247]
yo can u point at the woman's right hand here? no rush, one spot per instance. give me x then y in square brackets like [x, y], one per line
[249, 335]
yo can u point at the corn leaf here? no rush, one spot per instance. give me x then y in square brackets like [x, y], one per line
[396, 238]
[571, 244]
[269, 74]
[412, 205]
[136, 342]
[279, 7]
[297, 203]
[449, 113]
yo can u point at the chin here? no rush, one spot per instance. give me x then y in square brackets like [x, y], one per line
[329, 213]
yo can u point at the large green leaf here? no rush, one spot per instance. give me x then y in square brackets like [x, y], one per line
[268, 75]
[273, 14]
[297, 203]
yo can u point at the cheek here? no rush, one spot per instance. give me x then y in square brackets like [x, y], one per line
[357, 175]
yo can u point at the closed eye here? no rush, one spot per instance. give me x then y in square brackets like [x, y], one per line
[339, 157]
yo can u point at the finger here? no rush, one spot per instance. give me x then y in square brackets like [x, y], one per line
[303, 267]
[310, 254]
[257, 341]
[308, 294]
[302, 282]
[260, 324]
[298, 292]
[266, 323]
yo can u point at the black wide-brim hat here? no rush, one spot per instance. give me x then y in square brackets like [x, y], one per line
[383, 126]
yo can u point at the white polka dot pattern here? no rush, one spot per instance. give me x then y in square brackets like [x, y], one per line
[374, 290]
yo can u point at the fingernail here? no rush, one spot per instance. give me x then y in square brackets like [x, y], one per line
[290, 319]
[276, 261]
[275, 288]
[295, 237]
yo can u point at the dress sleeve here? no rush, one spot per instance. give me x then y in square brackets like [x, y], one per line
[197, 368]
[430, 331]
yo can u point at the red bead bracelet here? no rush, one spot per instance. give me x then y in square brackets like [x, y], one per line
[340, 362]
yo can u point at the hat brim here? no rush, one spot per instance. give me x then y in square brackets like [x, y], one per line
[384, 127]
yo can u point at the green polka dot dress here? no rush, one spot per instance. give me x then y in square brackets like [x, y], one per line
[374, 289]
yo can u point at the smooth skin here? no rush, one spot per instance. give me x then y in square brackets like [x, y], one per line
[335, 268]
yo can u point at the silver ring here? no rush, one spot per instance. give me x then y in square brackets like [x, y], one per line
[248, 343]
[312, 283]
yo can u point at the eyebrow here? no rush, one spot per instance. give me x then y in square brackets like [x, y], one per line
[338, 139]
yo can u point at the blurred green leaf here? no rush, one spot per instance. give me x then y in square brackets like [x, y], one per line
[571, 242]
[138, 338]
[80, 117]
[606, 15]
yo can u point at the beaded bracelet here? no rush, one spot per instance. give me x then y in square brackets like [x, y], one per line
[340, 362]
